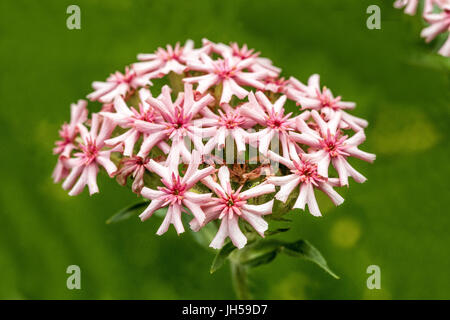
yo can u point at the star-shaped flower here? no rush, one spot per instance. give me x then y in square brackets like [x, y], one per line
[176, 194]
[304, 174]
[229, 72]
[84, 166]
[68, 133]
[177, 121]
[312, 97]
[329, 145]
[127, 118]
[231, 205]
[116, 85]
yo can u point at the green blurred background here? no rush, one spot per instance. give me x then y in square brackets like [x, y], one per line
[399, 219]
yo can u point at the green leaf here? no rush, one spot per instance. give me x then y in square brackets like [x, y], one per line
[281, 219]
[127, 212]
[276, 231]
[222, 256]
[264, 251]
[259, 253]
[305, 250]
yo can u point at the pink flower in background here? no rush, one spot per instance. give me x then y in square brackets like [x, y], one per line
[117, 84]
[312, 97]
[229, 73]
[439, 23]
[272, 118]
[173, 59]
[304, 173]
[231, 205]
[175, 193]
[84, 166]
[329, 145]
[437, 14]
[127, 117]
[68, 133]
[409, 5]
[177, 121]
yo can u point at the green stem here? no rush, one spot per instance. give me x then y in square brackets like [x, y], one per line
[240, 281]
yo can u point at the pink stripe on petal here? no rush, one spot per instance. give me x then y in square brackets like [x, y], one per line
[312, 202]
[159, 169]
[305, 138]
[331, 193]
[356, 139]
[152, 207]
[151, 194]
[224, 177]
[149, 142]
[196, 210]
[257, 191]
[339, 165]
[301, 200]
[166, 222]
[235, 234]
[106, 163]
[176, 219]
[320, 122]
[286, 189]
[212, 185]
[121, 107]
[258, 223]
[72, 177]
[92, 171]
[81, 183]
[358, 177]
[221, 235]
[355, 152]
[277, 158]
[261, 209]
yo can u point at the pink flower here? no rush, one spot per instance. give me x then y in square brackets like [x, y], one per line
[272, 118]
[68, 133]
[127, 117]
[276, 85]
[304, 173]
[312, 97]
[229, 72]
[439, 23]
[234, 51]
[85, 165]
[117, 84]
[134, 166]
[409, 5]
[177, 121]
[219, 127]
[175, 194]
[329, 145]
[140, 135]
[232, 205]
[173, 59]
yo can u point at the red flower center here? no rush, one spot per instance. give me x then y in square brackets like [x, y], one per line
[90, 151]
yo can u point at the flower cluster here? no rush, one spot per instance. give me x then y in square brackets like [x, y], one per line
[436, 13]
[206, 144]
